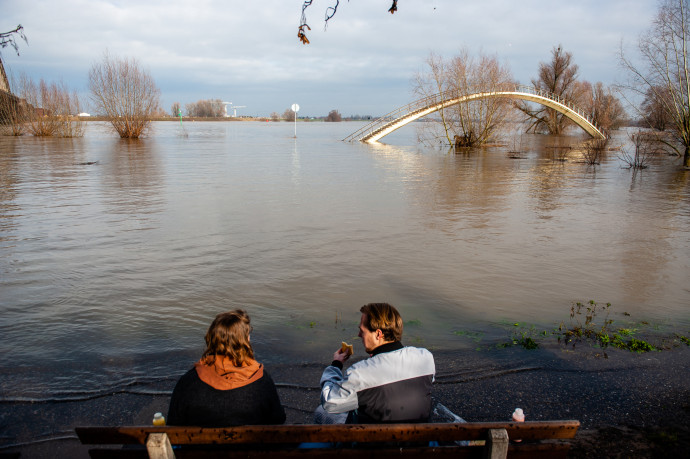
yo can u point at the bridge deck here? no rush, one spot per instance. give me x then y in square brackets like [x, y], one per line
[398, 118]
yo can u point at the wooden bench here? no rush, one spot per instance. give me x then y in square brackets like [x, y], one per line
[488, 440]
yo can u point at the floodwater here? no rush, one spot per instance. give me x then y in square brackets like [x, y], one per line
[115, 255]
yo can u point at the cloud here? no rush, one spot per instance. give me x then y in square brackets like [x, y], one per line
[248, 52]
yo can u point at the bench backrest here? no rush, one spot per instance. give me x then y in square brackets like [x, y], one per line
[259, 437]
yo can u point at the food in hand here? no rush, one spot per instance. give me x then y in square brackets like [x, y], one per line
[347, 348]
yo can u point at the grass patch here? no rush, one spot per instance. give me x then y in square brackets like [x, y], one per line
[590, 322]
[474, 336]
[523, 336]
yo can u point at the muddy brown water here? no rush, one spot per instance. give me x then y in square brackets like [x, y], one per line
[115, 255]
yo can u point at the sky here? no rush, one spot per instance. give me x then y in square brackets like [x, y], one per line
[247, 52]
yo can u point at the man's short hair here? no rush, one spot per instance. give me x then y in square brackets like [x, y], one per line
[384, 317]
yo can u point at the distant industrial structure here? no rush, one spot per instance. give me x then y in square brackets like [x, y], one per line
[233, 107]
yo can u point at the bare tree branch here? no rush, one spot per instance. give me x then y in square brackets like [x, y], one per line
[330, 12]
[8, 39]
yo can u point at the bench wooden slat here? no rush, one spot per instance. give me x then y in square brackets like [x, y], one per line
[328, 433]
[527, 451]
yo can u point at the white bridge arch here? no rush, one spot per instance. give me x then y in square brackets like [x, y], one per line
[396, 119]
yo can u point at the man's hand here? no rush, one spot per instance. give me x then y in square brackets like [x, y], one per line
[341, 355]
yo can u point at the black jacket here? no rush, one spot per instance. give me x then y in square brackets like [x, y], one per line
[195, 403]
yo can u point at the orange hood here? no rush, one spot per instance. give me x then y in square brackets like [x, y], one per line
[221, 373]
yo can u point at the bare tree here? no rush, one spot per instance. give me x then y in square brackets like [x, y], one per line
[275, 116]
[643, 150]
[51, 108]
[435, 81]
[209, 108]
[664, 76]
[593, 150]
[557, 77]
[175, 109]
[600, 103]
[334, 116]
[653, 109]
[289, 115]
[330, 12]
[125, 93]
[473, 122]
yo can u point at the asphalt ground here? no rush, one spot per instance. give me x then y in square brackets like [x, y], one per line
[628, 404]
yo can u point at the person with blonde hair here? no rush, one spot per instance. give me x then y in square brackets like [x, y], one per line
[392, 385]
[226, 387]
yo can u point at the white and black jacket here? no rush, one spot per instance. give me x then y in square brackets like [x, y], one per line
[394, 385]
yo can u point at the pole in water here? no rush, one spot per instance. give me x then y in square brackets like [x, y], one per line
[295, 108]
[184, 132]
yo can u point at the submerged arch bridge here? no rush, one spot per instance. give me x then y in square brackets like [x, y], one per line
[396, 119]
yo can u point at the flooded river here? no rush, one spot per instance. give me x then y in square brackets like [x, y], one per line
[115, 255]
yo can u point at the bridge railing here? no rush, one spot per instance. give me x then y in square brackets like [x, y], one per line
[405, 110]
[414, 107]
[556, 98]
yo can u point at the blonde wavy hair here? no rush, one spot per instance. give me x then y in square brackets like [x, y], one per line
[228, 336]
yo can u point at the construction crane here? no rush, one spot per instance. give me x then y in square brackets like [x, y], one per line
[234, 109]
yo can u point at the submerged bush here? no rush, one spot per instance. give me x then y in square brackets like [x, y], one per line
[125, 93]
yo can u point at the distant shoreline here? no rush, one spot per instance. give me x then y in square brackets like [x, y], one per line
[230, 118]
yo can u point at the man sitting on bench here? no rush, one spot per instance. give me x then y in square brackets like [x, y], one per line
[392, 385]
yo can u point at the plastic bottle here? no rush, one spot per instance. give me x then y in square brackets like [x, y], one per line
[518, 416]
[158, 419]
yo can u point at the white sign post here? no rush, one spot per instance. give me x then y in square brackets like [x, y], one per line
[295, 108]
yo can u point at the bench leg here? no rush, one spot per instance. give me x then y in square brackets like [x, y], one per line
[496, 444]
[159, 447]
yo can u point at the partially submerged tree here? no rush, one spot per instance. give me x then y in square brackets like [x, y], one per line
[54, 109]
[125, 93]
[289, 114]
[642, 152]
[653, 109]
[664, 76]
[602, 106]
[334, 116]
[330, 12]
[42, 109]
[593, 150]
[209, 108]
[557, 77]
[472, 122]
